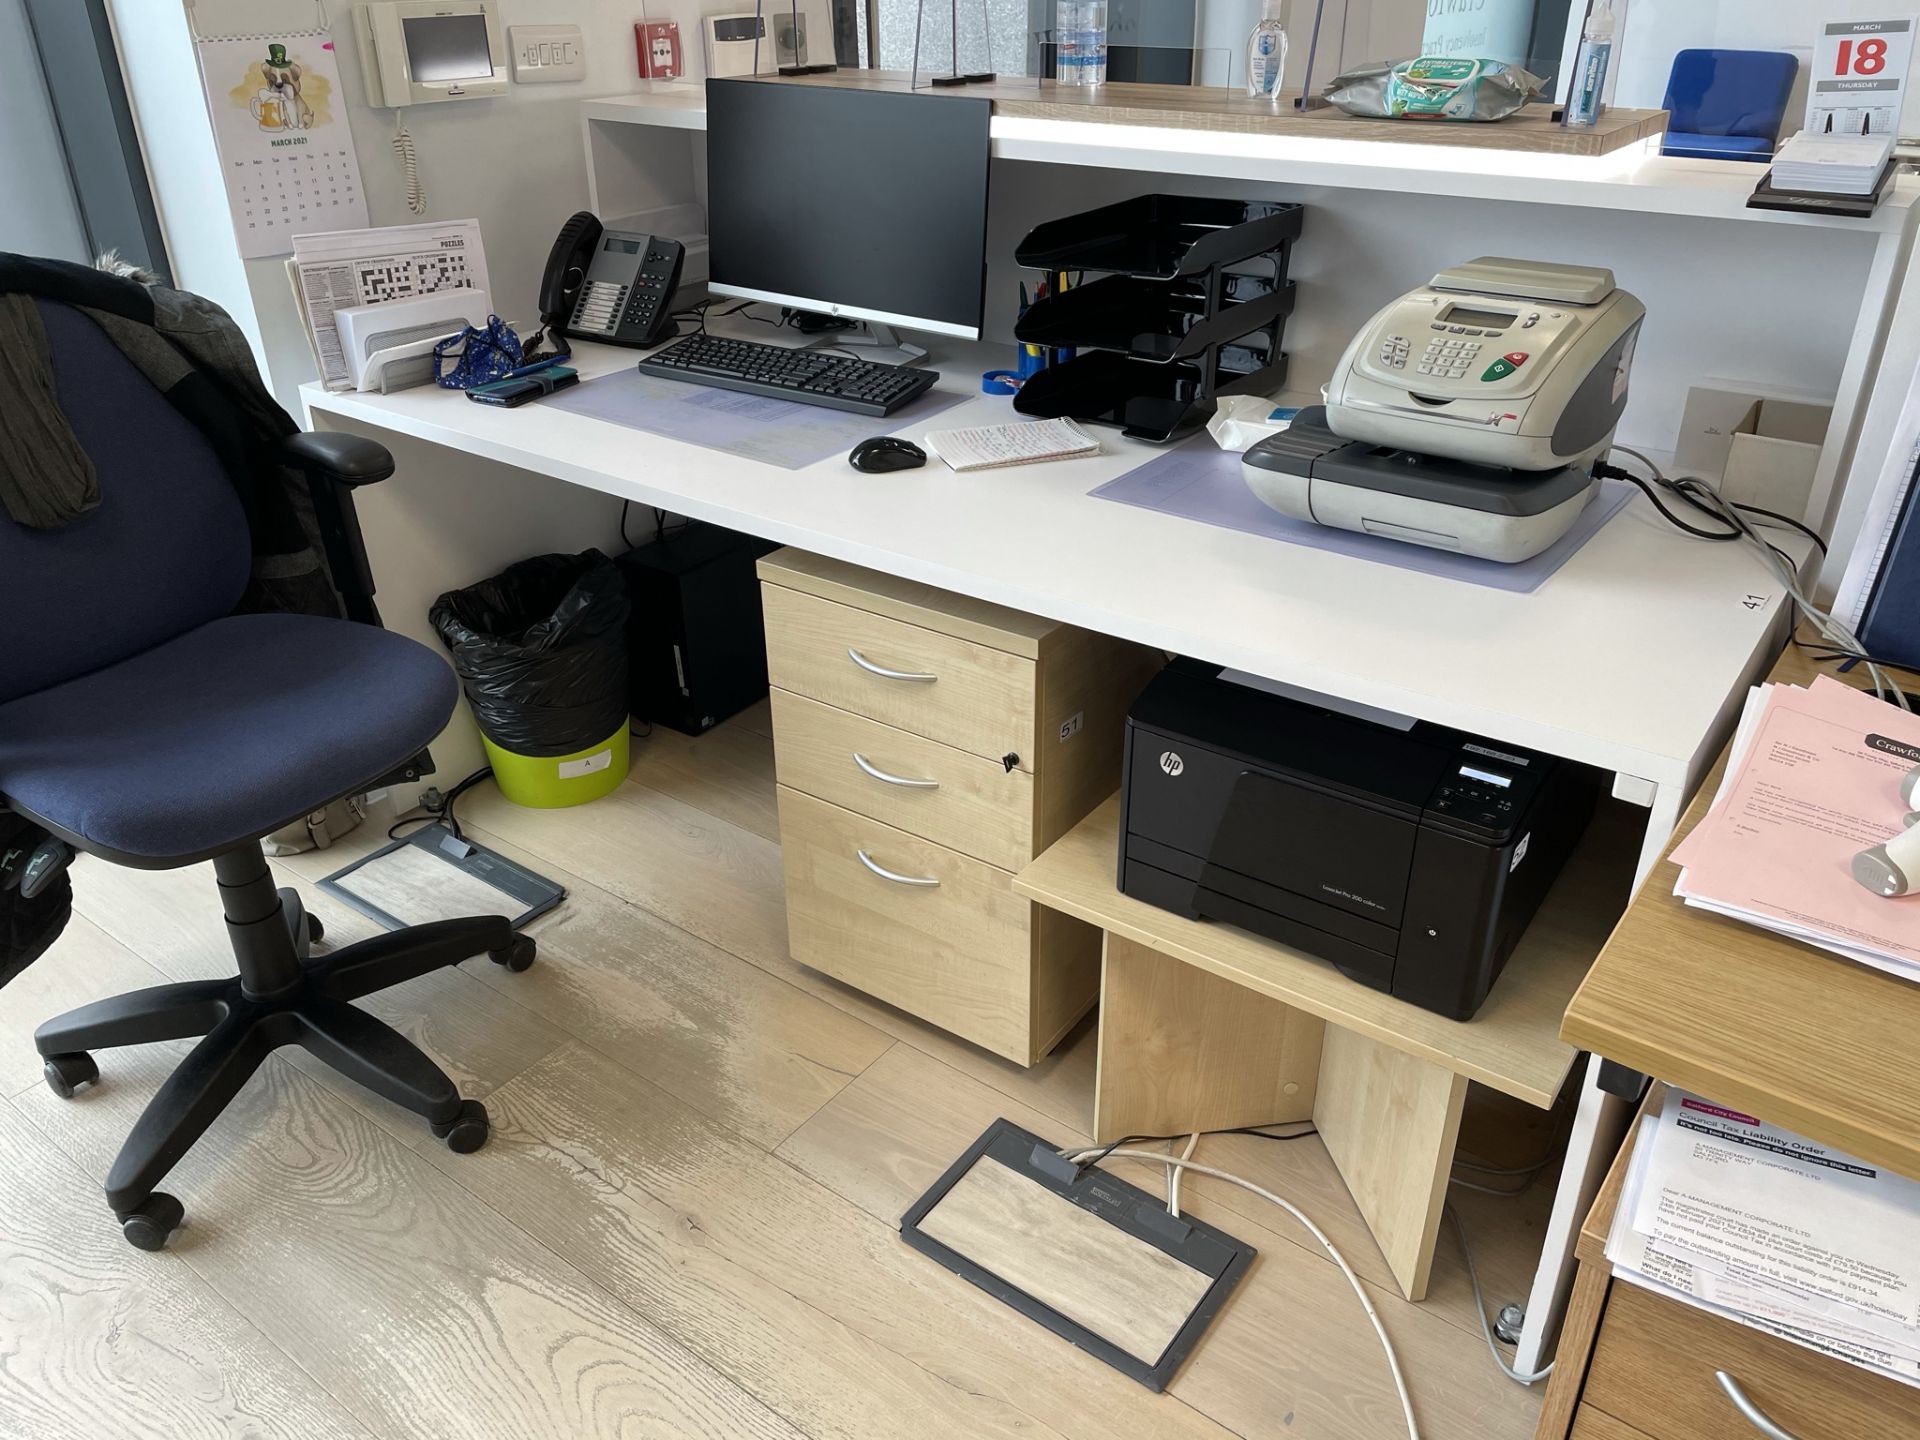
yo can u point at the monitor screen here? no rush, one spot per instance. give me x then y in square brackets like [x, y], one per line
[863, 203]
[447, 47]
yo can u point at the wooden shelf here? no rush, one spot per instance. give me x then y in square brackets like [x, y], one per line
[1513, 1045]
[1219, 110]
[1747, 1018]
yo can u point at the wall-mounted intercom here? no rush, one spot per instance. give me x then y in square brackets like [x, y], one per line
[774, 39]
[417, 51]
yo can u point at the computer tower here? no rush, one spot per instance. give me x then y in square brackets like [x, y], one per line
[695, 642]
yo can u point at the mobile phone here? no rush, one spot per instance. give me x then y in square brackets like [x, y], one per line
[519, 389]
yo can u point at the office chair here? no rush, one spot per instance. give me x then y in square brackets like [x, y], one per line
[1727, 104]
[143, 722]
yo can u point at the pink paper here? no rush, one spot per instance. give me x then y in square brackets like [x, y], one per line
[1820, 781]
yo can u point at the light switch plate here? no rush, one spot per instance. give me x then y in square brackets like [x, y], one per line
[546, 54]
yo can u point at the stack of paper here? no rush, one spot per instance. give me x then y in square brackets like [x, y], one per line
[1780, 1233]
[1026, 442]
[1831, 164]
[1813, 778]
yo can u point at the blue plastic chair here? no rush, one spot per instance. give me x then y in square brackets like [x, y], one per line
[1727, 104]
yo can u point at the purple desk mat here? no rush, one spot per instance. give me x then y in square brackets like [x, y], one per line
[1200, 481]
[775, 432]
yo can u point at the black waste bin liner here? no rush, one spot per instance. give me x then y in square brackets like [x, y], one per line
[541, 650]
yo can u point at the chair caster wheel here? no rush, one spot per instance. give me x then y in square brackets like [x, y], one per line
[517, 956]
[67, 1073]
[316, 932]
[467, 1131]
[150, 1224]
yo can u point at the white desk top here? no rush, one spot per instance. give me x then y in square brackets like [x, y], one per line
[1624, 659]
[1636, 179]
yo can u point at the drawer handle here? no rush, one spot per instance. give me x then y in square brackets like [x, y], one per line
[925, 881]
[1754, 1415]
[919, 677]
[879, 774]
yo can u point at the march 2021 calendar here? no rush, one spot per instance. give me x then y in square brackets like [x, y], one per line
[280, 124]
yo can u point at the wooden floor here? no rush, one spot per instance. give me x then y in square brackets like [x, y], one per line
[685, 1222]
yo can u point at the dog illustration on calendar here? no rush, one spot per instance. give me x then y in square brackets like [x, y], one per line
[282, 95]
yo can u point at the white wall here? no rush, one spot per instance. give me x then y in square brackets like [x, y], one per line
[39, 216]
[1723, 316]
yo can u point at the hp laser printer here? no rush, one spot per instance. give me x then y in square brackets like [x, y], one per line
[1410, 855]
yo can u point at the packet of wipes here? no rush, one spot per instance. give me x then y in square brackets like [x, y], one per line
[1436, 87]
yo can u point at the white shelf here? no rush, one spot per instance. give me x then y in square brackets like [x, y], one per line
[1638, 179]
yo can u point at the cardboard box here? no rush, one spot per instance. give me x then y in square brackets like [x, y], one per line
[1772, 454]
[1717, 410]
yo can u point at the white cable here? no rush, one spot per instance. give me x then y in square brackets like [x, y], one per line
[1373, 1316]
[1479, 1169]
[1173, 1174]
[409, 164]
[1829, 628]
[1521, 1377]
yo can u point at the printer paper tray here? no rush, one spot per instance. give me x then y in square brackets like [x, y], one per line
[1263, 909]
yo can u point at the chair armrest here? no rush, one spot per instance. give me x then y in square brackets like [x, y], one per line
[336, 465]
[350, 460]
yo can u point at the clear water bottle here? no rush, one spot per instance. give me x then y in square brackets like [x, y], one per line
[1081, 28]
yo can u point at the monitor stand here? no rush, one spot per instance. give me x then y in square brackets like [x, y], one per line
[876, 342]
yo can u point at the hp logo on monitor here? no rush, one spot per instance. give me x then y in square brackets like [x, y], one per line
[1171, 763]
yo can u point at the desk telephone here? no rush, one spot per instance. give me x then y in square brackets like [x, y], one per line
[614, 286]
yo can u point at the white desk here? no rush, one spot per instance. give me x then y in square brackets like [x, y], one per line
[1627, 659]
[1631, 658]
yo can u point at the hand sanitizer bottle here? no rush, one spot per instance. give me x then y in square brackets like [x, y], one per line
[1590, 67]
[1267, 53]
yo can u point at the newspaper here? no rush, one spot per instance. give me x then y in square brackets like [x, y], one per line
[369, 267]
[1775, 1231]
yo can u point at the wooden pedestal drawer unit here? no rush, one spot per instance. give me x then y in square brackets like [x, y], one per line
[929, 745]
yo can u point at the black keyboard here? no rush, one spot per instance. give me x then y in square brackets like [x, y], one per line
[833, 381]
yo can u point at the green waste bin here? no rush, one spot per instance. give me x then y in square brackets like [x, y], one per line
[541, 650]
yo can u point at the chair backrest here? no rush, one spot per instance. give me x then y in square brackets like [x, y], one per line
[166, 550]
[1729, 92]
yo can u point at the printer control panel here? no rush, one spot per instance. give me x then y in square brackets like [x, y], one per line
[1483, 794]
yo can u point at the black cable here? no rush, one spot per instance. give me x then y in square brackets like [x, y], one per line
[1082, 1166]
[443, 814]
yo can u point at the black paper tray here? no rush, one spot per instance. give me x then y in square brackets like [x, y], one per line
[1150, 319]
[1151, 400]
[1161, 236]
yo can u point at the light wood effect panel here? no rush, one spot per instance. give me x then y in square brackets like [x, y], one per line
[1183, 1050]
[1117, 1285]
[1592, 1424]
[979, 807]
[1390, 1122]
[1511, 1045]
[959, 953]
[1087, 681]
[982, 699]
[1228, 111]
[1654, 1365]
[960, 616]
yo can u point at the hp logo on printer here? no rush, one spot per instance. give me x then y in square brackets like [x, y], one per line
[1171, 763]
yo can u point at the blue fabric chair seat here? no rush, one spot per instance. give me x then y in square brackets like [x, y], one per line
[1718, 147]
[221, 734]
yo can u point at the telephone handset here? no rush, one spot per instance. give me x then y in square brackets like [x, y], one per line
[614, 286]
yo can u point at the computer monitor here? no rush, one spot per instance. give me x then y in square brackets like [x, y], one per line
[865, 204]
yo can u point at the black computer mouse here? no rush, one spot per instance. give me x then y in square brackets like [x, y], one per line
[884, 453]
